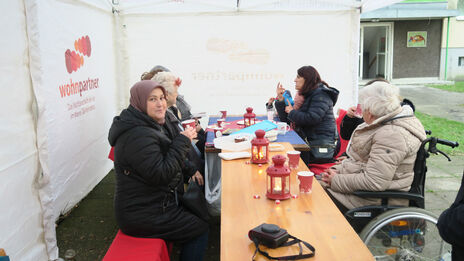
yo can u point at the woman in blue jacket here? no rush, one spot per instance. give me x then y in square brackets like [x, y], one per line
[314, 121]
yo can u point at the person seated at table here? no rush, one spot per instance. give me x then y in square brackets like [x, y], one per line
[170, 82]
[314, 120]
[181, 104]
[381, 152]
[351, 120]
[180, 108]
[150, 160]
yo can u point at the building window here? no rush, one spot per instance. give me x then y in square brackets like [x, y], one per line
[461, 61]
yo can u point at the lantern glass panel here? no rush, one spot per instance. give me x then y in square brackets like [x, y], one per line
[254, 154]
[263, 152]
[287, 184]
[277, 185]
[260, 152]
[268, 184]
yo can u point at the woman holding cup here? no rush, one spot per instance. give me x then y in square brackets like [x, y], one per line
[381, 153]
[353, 116]
[169, 81]
[150, 165]
[314, 119]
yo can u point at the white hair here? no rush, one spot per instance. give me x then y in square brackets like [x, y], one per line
[380, 98]
[167, 80]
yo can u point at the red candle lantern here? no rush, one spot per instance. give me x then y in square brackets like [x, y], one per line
[259, 148]
[249, 118]
[278, 179]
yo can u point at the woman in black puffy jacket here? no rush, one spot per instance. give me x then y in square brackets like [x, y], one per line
[314, 121]
[150, 164]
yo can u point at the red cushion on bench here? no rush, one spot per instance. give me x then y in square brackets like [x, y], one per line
[126, 248]
[111, 155]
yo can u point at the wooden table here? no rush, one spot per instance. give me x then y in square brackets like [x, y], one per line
[313, 217]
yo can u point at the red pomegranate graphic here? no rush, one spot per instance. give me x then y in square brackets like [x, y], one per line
[73, 59]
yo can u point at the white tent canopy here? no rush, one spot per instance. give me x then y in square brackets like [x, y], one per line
[67, 66]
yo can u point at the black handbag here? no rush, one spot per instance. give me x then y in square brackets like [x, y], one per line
[194, 200]
[321, 151]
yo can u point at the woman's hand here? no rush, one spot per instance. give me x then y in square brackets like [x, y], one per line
[289, 107]
[340, 159]
[190, 133]
[351, 112]
[280, 92]
[271, 100]
[328, 175]
[198, 178]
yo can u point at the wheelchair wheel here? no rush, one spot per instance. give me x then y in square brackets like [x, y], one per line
[405, 234]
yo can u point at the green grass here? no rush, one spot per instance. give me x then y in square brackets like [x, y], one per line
[444, 129]
[457, 87]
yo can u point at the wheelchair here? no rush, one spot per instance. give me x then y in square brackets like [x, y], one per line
[402, 233]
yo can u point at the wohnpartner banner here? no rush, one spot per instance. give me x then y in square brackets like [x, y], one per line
[72, 67]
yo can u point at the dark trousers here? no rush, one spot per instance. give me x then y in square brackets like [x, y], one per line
[194, 250]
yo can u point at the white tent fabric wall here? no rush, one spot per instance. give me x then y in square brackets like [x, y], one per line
[238, 58]
[73, 75]
[21, 219]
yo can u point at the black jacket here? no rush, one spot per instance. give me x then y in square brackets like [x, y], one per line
[201, 135]
[451, 225]
[150, 161]
[348, 126]
[314, 120]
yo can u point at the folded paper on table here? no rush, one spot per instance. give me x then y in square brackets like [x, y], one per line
[234, 155]
[229, 143]
[276, 147]
[264, 125]
[271, 135]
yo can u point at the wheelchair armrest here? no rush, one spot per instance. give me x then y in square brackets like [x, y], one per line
[388, 194]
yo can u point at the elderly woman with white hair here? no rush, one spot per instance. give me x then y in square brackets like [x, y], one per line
[382, 150]
[171, 83]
